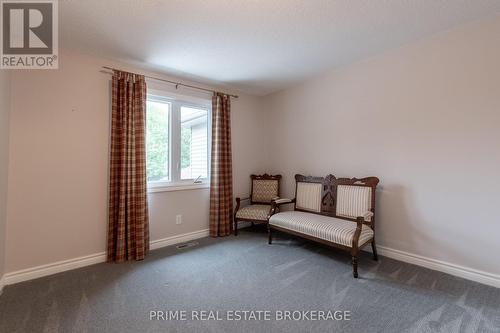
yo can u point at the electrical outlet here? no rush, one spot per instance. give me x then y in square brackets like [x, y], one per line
[178, 219]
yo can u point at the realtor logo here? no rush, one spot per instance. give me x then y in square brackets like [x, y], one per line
[29, 34]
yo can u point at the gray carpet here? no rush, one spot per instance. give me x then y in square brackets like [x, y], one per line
[244, 273]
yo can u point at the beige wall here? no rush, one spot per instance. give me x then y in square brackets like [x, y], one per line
[424, 119]
[59, 165]
[4, 158]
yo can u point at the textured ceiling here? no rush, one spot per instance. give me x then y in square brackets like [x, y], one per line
[255, 46]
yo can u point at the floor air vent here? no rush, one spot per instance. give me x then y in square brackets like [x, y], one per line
[186, 245]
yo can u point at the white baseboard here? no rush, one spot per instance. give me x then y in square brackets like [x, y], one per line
[53, 268]
[2, 279]
[442, 266]
[66, 265]
[159, 243]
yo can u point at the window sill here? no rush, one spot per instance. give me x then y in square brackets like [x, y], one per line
[179, 187]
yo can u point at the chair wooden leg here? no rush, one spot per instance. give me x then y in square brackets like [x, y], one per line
[355, 266]
[235, 227]
[270, 233]
[374, 250]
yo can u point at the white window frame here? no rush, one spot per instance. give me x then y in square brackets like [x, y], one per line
[176, 101]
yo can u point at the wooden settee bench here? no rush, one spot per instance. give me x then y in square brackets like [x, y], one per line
[338, 212]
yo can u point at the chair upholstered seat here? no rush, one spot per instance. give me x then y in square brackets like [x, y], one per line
[254, 212]
[265, 188]
[328, 228]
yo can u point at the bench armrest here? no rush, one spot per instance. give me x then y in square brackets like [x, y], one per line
[275, 203]
[359, 226]
[366, 215]
[281, 201]
[360, 220]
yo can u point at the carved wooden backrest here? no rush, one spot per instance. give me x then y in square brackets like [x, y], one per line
[264, 188]
[339, 197]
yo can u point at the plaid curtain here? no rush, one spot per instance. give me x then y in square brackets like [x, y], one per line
[221, 173]
[128, 225]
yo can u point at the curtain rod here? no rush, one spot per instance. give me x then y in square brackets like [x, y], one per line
[177, 84]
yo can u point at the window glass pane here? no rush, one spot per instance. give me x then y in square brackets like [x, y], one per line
[157, 140]
[194, 143]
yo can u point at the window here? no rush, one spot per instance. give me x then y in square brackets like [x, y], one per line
[177, 141]
[194, 143]
[158, 140]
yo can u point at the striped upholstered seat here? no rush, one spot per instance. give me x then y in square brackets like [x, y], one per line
[328, 228]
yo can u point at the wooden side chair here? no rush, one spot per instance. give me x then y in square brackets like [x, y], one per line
[265, 188]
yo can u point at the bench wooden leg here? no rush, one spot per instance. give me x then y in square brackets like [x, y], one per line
[355, 266]
[374, 250]
[235, 227]
[270, 233]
